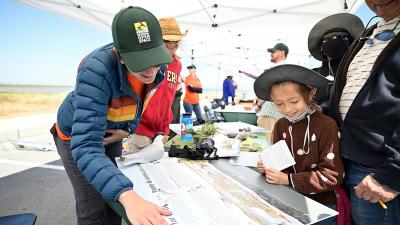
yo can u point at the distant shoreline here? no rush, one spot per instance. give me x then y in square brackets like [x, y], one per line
[71, 87]
[35, 85]
[35, 88]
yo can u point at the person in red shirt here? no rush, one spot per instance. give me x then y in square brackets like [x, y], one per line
[157, 119]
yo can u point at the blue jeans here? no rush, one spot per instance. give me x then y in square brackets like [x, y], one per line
[190, 107]
[226, 98]
[364, 212]
[329, 221]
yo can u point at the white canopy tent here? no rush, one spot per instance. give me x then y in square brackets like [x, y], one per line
[227, 35]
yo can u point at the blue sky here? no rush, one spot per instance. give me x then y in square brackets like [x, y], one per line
[39, 47]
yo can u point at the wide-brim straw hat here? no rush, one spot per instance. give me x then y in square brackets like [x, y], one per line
[286, 72]
[346, 21]
[170, 29]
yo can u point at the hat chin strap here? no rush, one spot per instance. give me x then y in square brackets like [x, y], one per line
[305, 139]
[331, 73]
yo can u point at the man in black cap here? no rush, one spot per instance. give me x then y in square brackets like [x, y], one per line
[279, 53]
[266, 110]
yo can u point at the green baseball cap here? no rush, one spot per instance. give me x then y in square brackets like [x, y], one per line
[191, 66]
[279, 46]
[137, 36]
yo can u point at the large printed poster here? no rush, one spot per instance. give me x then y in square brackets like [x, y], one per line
[198, 194]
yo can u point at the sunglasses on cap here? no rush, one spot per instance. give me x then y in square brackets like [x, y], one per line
[341, 35]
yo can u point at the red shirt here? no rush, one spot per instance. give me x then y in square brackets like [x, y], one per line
[158, 114]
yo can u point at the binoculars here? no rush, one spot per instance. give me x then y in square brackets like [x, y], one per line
[204, 150]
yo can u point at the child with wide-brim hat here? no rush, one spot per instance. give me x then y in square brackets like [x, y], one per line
[312, 137]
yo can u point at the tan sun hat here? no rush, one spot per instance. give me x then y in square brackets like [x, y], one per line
[170, 29]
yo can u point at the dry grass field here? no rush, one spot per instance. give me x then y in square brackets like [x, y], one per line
[21, 103]
[24, 103]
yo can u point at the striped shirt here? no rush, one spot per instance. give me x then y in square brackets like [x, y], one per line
[361, 66]
[268, 109]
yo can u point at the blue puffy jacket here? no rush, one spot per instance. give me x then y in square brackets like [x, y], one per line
[102, 99]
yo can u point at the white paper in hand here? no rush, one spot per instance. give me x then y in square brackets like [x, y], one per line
[148, 154]
[277, 156]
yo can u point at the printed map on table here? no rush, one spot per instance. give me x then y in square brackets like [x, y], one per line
[197, 193]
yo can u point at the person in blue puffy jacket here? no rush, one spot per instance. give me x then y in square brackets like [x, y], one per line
[113, 86]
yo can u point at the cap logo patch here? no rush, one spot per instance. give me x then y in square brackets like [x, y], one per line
[142, 32]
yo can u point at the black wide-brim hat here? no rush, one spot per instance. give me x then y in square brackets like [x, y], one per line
[346, 21]
[286, 72]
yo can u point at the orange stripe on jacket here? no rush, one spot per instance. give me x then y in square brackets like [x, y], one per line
[122, 109]
[124, 113]
[61, 135]
[142, 90]
[149, 97]
[136, 85]
[116, 103]
[125, 108]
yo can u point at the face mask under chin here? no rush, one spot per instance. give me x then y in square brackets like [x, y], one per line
[335, 48]
[302, 116]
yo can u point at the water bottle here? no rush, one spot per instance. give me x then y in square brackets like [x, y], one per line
[186, 124]
[211, 113]
[223, 103]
